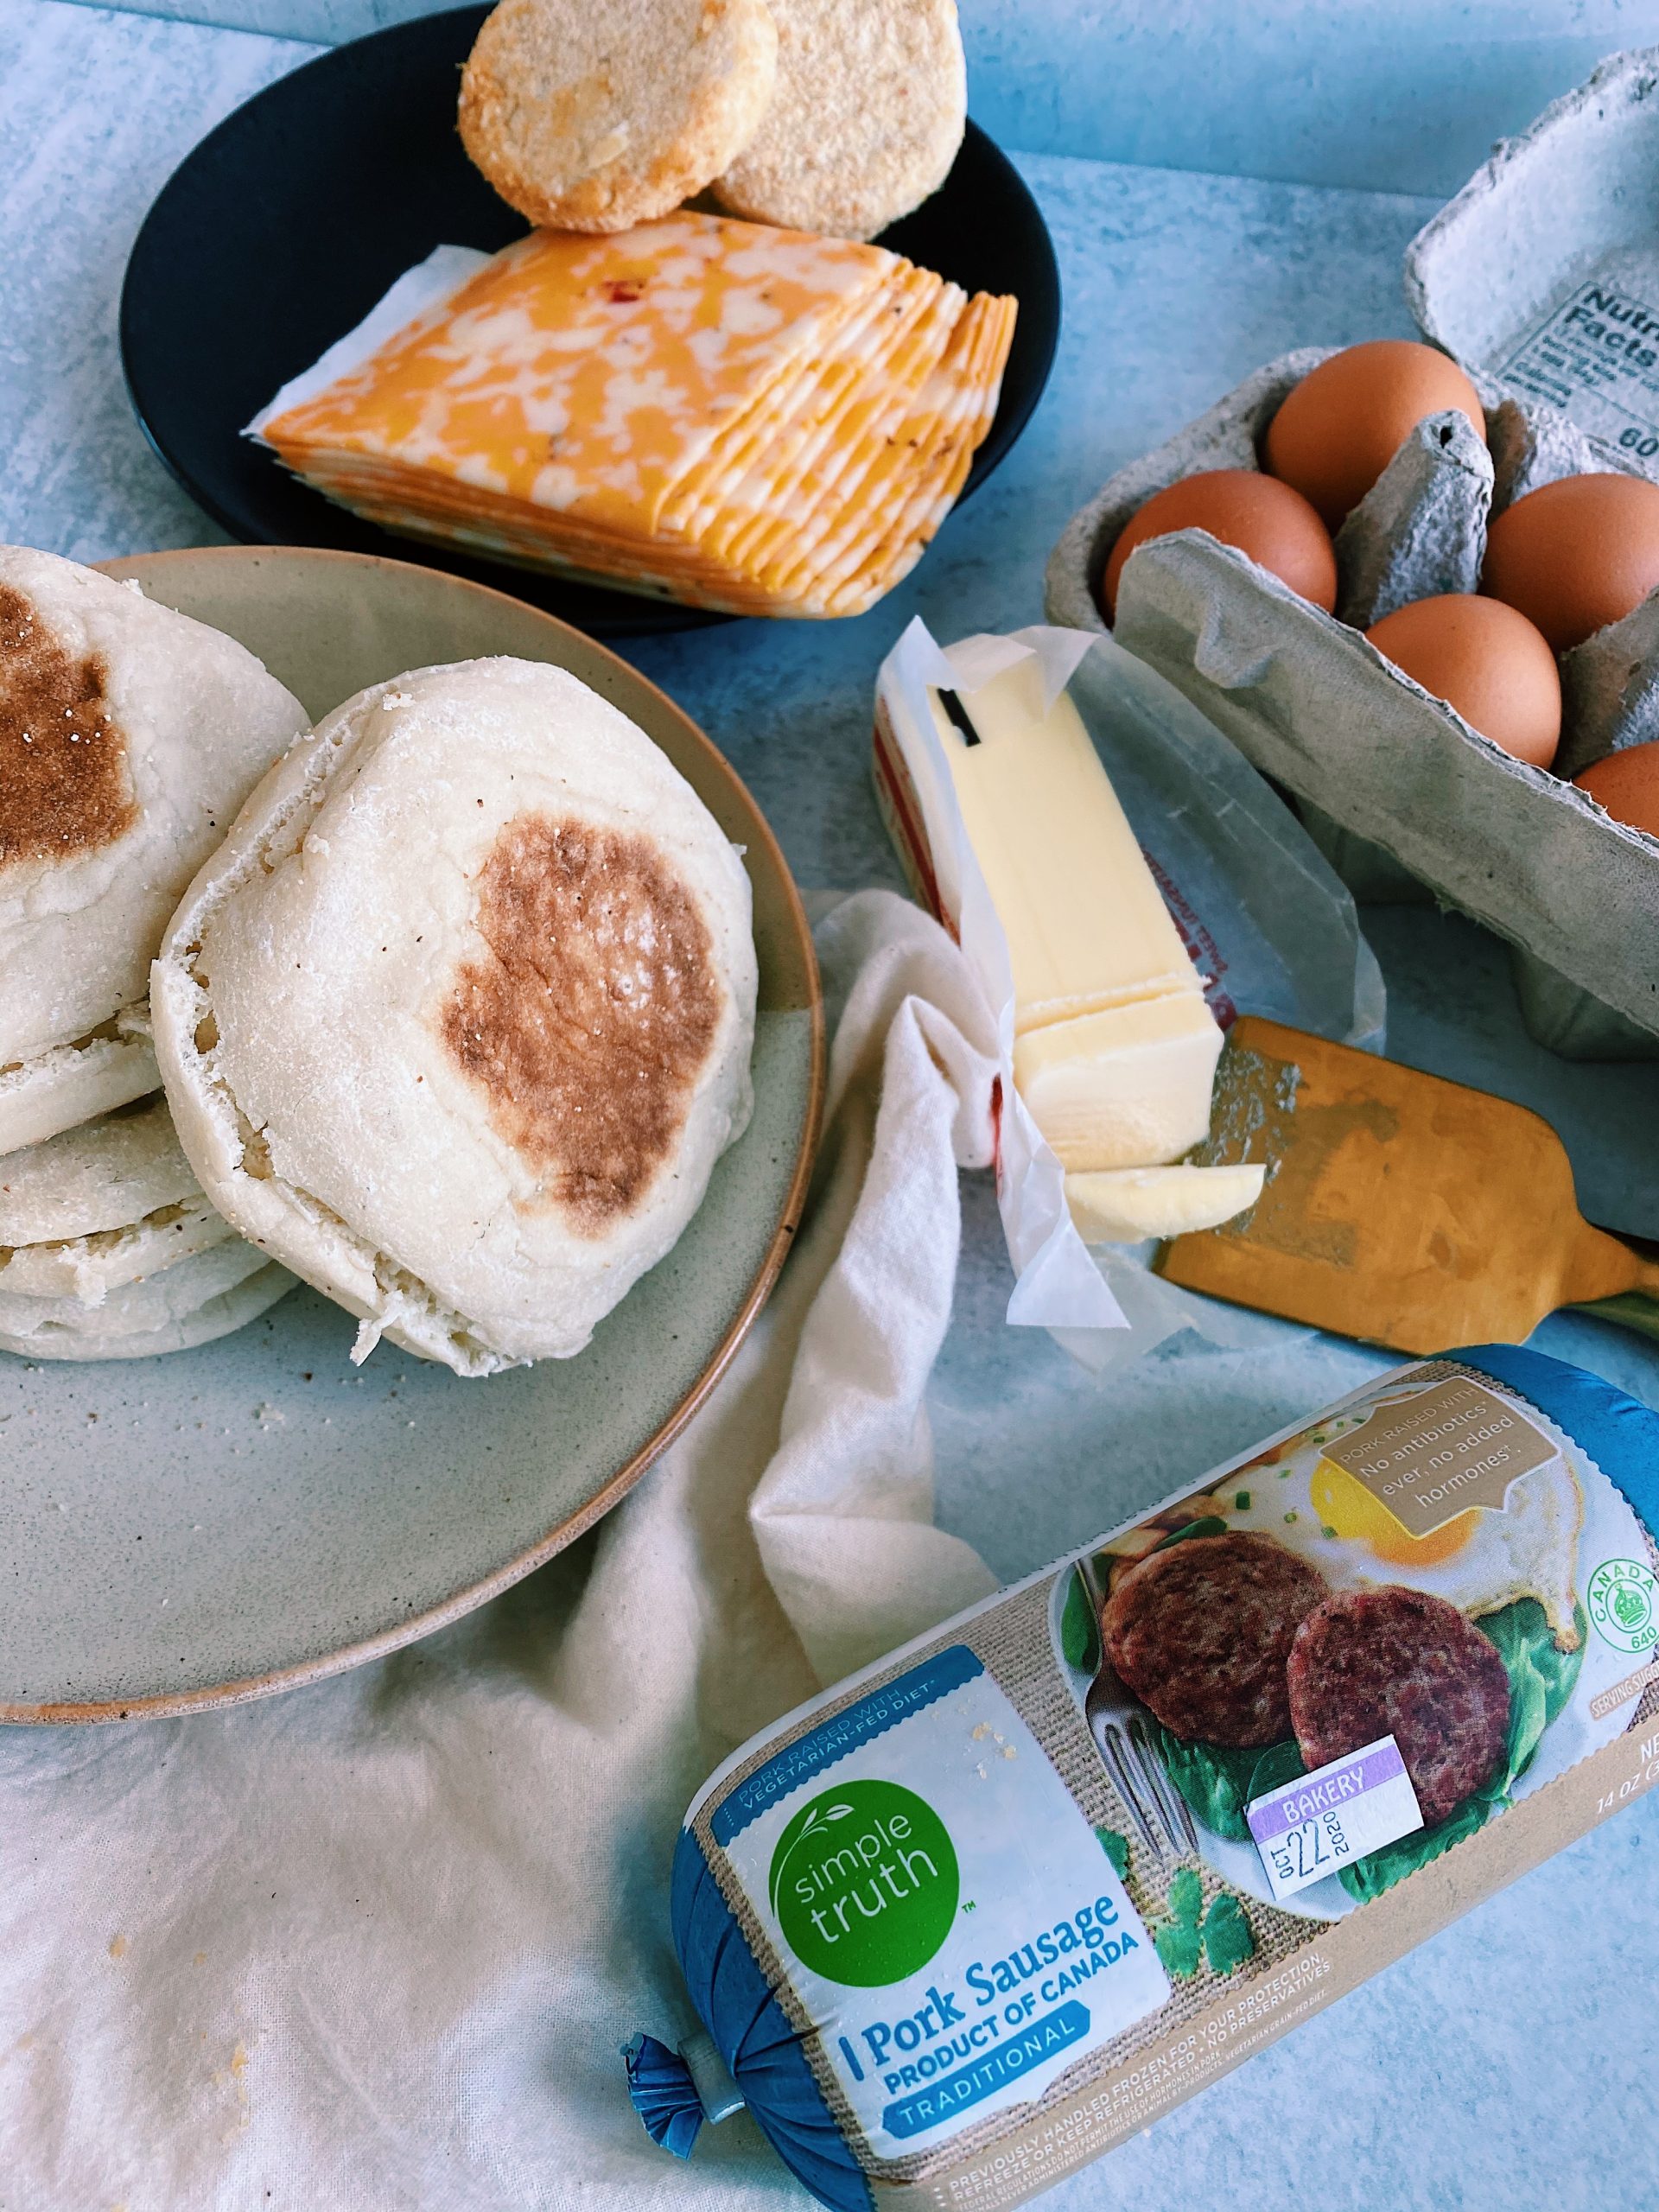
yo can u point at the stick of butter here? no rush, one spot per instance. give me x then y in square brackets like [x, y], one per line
[1086, 926]
[1126, 1087]
[1114, 1048]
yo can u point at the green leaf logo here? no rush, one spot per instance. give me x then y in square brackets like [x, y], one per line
[818, 1817]
[864, 1884]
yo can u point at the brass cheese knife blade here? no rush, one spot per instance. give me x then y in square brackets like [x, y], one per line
[1399, 1208]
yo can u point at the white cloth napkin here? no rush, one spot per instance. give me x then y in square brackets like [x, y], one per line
[375, 1944]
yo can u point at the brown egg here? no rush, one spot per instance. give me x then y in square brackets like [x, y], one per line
[1338, 429]
[1627, 784]
[1576, 554]
[1485, 660]
[1268, 520]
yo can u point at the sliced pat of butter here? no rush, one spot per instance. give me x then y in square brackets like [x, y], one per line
[1086, 924]
[1130, 1204]
[1126, 1087]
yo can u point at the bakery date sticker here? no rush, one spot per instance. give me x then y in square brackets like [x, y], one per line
[1323, 1821]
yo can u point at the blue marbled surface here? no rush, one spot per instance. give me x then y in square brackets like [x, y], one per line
[1510, 2060]
[1392, 95]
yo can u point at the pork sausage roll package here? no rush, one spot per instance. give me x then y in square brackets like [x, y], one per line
[976, 1915]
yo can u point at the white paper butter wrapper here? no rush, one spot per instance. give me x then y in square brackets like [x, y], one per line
[1270, 927]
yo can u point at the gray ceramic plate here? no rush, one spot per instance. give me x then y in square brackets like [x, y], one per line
[191, 1531]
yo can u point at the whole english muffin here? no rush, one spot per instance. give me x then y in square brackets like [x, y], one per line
[457, 1021]
[587, 117]
[871, 102]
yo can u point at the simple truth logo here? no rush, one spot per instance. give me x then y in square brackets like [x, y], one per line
[864, 1884]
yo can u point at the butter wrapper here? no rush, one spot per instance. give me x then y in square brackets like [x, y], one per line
[1267, 922]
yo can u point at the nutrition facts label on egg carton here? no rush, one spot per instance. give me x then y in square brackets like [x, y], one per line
[1596, 355]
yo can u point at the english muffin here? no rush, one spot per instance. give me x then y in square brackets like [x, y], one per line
[108, 1203]
[458, 1021]
[69, 1084]
[869, 110]
[129, 737]
[190, 1303]
[595, 118]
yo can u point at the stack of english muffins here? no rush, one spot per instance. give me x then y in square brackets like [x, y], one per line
[129, 737]
[446, 1006]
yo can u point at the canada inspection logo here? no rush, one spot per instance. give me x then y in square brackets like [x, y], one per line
[864, 1884]
[1623, 1602]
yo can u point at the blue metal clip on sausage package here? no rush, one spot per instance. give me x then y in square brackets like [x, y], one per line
[980, 1912]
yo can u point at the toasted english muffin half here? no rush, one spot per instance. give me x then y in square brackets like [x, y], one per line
[869, 109]
[190, 1303]
[97, 1207]
[588, 117]
[129, 737]
[459, 1018]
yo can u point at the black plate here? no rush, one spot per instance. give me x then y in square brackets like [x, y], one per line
[289, 222]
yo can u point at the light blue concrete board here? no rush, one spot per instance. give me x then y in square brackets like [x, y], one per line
[1175, 286]
[96, 109]
[1390, 95]
[1034, 1456]
[1387, 95]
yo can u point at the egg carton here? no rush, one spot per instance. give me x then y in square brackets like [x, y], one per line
[1550, 243]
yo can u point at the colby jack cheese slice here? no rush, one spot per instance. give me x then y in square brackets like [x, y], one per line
[743, 417]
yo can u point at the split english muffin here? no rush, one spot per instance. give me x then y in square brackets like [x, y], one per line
[101, 1206]
[458, 1021]
[190, 1303]
[129, 737]
[69, 1084]
[108, 1248]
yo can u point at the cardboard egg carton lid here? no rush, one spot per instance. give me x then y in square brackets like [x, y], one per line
[1543, 272]
[1314, 706]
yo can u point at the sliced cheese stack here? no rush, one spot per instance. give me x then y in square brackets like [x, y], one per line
[743, 418]
[1114, 1048]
